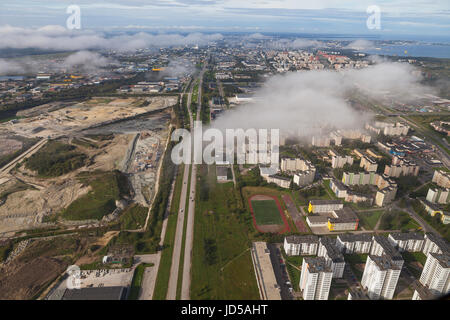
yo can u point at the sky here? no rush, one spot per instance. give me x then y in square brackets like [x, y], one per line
[398, 17]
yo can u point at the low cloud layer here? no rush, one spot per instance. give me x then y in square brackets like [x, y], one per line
[60, 39]
[86, 60]
[306, 102]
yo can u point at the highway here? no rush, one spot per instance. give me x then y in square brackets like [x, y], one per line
[186, 284]
[175, 266]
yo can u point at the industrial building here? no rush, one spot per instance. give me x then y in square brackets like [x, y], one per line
[96, 293]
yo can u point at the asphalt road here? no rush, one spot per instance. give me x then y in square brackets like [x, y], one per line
[186, 283]
[175, 266]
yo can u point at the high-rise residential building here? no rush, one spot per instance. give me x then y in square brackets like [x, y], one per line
[385, 196]
[380, 277]
[301, 245]
[368, 164]
[434, 244]
[315, 279]
[436, 273]
[304, 178]
[338, 161]
[438, 195]
[354, 243]
[357, 294]
[295, 164]
[332, 255]
[382, 247]
[407, 241]
[359, 178]
[441, 178]
[421, 292]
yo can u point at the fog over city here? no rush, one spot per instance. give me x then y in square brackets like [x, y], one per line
[308, 101]
[53, 37]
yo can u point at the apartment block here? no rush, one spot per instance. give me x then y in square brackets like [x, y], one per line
[380, 277]
[382, 247]
[301, 245]
[368, 164]
[436, 273]
[360, 178]
[441, 178]
[317, 206]
[332, 255]
[315, 279]
[407, 241]
[438, 195]
[354, 243]
[434, 244]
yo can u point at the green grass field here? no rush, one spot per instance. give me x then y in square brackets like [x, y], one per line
[266, 212]
[106, 188]
[368, 220]
[221, 263]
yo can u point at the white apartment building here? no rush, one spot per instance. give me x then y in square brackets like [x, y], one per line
[295, 164]
[380, 277]
[332, 255]
[315, 279]
[441, 178]
[382, 247]
[301, 245]
[368, 164]
[304, 178]
[436, 273]
[438, 195]
[360, 178]
[338, 161]
[354, 243]
[385, 196]
[405, 169]
[434, 244]
[410, 242]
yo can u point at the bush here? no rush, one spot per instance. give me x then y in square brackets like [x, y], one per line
[55, 159]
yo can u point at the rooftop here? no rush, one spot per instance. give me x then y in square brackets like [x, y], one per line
[95, 293]
[302, 239]
[317, 264]
[406, 236]
[384, 262]
[349, 237]
[324, 202]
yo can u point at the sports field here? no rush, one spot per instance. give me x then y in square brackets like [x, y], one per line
[266, 212]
